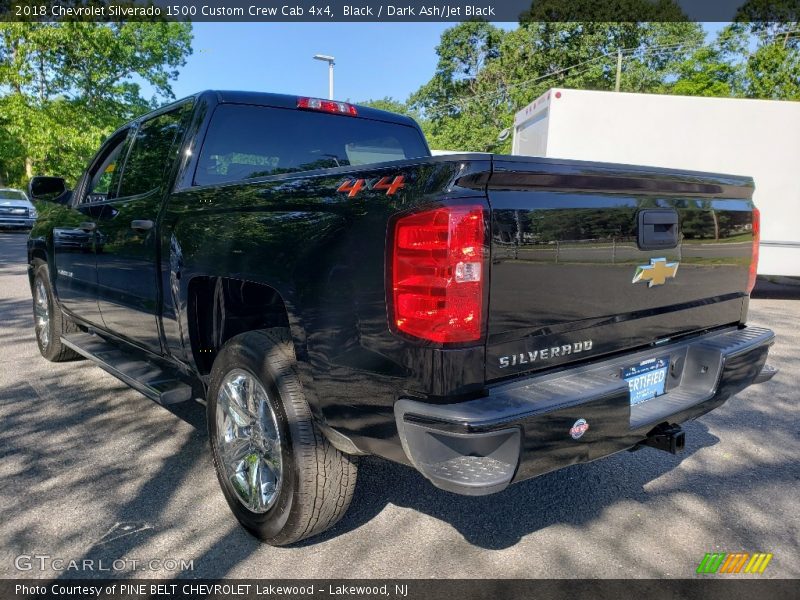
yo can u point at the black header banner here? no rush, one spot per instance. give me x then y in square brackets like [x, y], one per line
[400, 10]
[713, 588]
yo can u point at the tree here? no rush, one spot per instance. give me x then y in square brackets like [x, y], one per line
[771, 68]
[712, 69]
[773, 72]
[462, 76]
[391, 105]
[67, 85]
[485, 75]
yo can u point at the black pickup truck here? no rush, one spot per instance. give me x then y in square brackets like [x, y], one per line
[328, 289]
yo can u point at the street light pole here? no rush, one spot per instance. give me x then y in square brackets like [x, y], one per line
[331, 61]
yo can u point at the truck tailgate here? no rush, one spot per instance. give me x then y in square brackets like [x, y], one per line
[583, 265]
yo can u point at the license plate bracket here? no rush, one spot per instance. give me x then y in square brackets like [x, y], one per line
[647, 379]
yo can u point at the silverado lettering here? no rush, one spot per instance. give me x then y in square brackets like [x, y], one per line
[205, 255]
[545, 353]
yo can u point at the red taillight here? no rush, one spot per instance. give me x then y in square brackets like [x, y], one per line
[437, 274]
[329, 106]
[751, 280]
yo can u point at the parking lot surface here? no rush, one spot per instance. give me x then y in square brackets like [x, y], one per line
[92, 470]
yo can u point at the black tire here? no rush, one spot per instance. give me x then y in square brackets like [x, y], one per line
[57, 324]
[318, 480]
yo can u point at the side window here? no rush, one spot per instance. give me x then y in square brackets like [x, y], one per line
[104, 178]
[151, 154]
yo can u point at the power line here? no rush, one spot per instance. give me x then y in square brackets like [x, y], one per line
[625, 51]
[523, 83]
[461, 102]
[632, 51]
[765, 34]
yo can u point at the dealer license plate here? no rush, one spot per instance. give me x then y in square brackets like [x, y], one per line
[647, 379]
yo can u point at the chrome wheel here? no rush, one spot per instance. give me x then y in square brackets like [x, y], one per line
[249, 440]
[41, 314]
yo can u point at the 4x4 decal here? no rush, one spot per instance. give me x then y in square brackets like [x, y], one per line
[353, 186]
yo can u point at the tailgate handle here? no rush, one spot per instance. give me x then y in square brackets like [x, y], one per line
[658, 229]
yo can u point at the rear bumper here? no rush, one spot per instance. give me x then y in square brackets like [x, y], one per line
[525, 428]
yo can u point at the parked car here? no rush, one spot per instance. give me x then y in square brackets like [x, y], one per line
[329, 289]
[16, 211]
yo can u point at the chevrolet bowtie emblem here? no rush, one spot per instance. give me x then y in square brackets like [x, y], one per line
[656, 273]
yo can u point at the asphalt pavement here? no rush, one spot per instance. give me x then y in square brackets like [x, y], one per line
[91, 470]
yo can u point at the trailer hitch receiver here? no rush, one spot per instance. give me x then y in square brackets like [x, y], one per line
[669, 438]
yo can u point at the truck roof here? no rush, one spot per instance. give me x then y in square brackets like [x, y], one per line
[290, 101]
[274, 100]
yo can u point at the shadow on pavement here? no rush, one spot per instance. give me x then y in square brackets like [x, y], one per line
[575, 495]
[779, 288]
[61, 441]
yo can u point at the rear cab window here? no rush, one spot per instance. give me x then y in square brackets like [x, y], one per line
[245, 141]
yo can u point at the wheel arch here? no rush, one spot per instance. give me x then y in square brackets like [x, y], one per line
[220, 308]
[37, 256]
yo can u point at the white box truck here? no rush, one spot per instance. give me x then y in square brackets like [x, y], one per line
[759, 138]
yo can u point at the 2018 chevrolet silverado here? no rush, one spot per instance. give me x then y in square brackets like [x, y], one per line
[329, 290]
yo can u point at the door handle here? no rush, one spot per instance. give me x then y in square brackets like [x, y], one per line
[141, 224]
[658, 229]
[87, 226]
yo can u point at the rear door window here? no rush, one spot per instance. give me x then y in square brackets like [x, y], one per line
[246, 141]
[152, 152]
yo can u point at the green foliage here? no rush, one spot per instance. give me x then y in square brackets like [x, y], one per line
[54, 137]
[711, 70]
[401, 108]
[65, 86]
[768, 13]
[465, 73]
[484, 74]
[771, 64]
[390, 104]
[773, 71]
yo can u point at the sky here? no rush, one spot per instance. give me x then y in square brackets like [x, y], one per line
[373, 60]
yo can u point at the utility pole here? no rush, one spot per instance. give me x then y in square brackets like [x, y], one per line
[619, 68]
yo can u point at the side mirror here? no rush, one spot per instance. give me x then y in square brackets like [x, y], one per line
[503, 135]
[48, 189]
